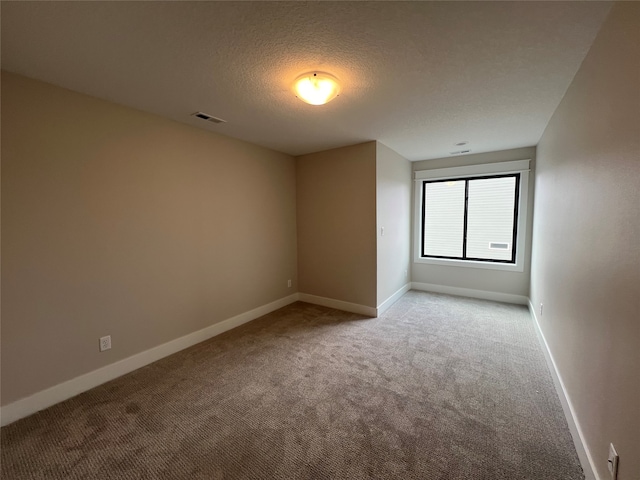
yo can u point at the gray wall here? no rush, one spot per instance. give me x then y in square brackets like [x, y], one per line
[337, 223]
[119, 222]
[514, 283]
[393, 213]
[586, 254]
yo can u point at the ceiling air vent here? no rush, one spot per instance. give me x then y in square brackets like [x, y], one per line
[460, 152]
[208, 118]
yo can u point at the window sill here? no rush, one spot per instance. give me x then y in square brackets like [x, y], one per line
[507, 267]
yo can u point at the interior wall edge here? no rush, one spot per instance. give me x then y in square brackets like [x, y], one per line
[384, 306]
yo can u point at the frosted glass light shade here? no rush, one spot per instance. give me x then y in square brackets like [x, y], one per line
[316, 88]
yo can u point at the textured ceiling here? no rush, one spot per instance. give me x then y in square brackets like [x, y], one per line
[417, 76]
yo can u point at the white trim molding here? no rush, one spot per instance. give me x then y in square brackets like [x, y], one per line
[384, 306]
[517, 166]
[468, 292]
[586, 461]
[58, 393]
[338, 304]
[469, 170]
[584, 455]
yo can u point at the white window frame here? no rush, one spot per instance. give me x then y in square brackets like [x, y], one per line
[488, 169]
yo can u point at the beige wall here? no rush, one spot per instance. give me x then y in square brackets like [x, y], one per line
[393, 213]
[586, 258]
[336, 191]
[513, 283]
[121, 223]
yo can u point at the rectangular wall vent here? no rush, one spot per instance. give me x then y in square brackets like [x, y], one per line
[460, 152]
[208, 118]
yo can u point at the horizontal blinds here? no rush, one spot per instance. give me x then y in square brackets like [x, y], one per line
[444, 219]
[490, 216]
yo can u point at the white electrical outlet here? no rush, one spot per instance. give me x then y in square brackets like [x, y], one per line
[382, 231]
[613, 462]
[105, 343]
[541, 306]
[289, 283]
[405, 274]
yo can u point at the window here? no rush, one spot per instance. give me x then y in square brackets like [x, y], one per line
[472, 216]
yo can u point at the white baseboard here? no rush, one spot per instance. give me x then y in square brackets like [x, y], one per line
[384, 306]
[468, 292]
[46, 398]
[338, 304]
[586, 460]
[58, 393]
[590, 471]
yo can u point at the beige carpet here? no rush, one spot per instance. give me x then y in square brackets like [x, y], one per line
[439, 387]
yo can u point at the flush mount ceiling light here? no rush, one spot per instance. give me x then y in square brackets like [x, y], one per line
[316, 88]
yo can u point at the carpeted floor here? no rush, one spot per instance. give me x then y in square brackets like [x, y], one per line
[439, 387]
